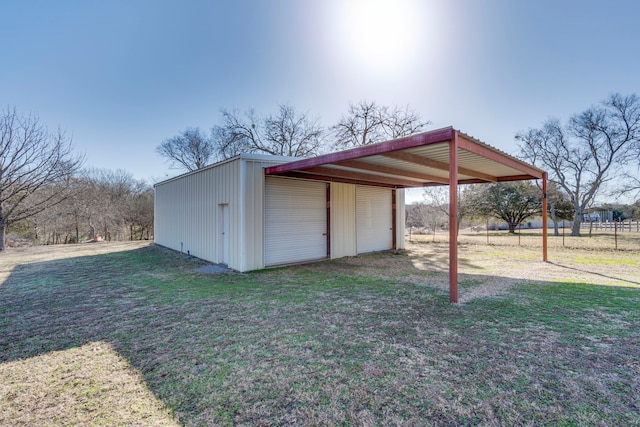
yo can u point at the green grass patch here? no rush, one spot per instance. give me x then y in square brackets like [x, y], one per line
[346, 342]
[606, 259]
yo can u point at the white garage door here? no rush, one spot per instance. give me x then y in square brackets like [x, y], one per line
[295, 221]
[374, 225]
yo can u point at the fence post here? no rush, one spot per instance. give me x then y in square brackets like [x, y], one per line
[487, 230]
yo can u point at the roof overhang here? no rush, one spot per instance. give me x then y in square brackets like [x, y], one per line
[438, 157]
[414, 161]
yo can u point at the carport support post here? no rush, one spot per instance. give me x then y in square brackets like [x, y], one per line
[328, 232]
[545, 258]
[393, 220]
[453, 217]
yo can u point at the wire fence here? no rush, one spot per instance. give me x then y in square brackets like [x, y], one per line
[622, 226]
[602, 238]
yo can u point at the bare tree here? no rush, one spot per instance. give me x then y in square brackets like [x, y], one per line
[633, 211]
[632, 181]
[287, 133]
[64, 223]
[292, 134]
[631, 185]
[413, 215]
[402, 122]
[436, 202]
[431, 216]
[581, 155]
[59, 223]
[437, 198]
[367, 122]
[101, 203]
[108, 201]
[558, 205]
[363, 124]
[190, 150]
[32, 159]
[97, 203]
[237, 134]
[138, 214]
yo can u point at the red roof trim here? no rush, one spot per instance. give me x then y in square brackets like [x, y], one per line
[325, 178]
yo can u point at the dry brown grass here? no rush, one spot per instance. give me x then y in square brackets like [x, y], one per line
[87, 385]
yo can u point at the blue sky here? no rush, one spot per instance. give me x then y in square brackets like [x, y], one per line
[121, 76]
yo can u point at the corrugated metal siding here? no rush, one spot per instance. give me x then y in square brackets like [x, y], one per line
[253, 219]
[187, 211]
[343, 220]
[466, 159]
[295, 221]
[400, 219]
[374, 219]
[407, 166]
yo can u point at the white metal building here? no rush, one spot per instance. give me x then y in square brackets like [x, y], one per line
[232, 213]
[256, 211]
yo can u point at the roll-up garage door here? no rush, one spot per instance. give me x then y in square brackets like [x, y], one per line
[295, 221]
[374, 227]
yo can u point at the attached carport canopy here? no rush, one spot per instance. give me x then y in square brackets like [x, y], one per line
[438, 157]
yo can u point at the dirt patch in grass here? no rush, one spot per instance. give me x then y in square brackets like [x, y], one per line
[138, 336]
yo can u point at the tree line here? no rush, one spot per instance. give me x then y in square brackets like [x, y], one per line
[581, 156]
[595, 153]
[99, 205]
[287, 133]
[594, 148]
[514, 203]
[46, 196]
[45, 192]
[511, 202]
[93, 205]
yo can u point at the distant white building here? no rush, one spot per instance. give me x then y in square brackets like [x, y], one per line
[591, 217]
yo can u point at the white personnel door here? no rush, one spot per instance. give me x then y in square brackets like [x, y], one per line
[223, 234]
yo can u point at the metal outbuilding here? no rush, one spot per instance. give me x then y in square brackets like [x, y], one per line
[233, 213]
[256, 211]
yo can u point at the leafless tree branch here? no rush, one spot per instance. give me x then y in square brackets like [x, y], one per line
[367, 122]
[581, 155]
[189, 150]
[32, 160]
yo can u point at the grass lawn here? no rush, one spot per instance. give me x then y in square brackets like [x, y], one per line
[132, 334]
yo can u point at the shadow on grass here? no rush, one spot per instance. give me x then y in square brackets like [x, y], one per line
[334, 342]
[584, 270]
